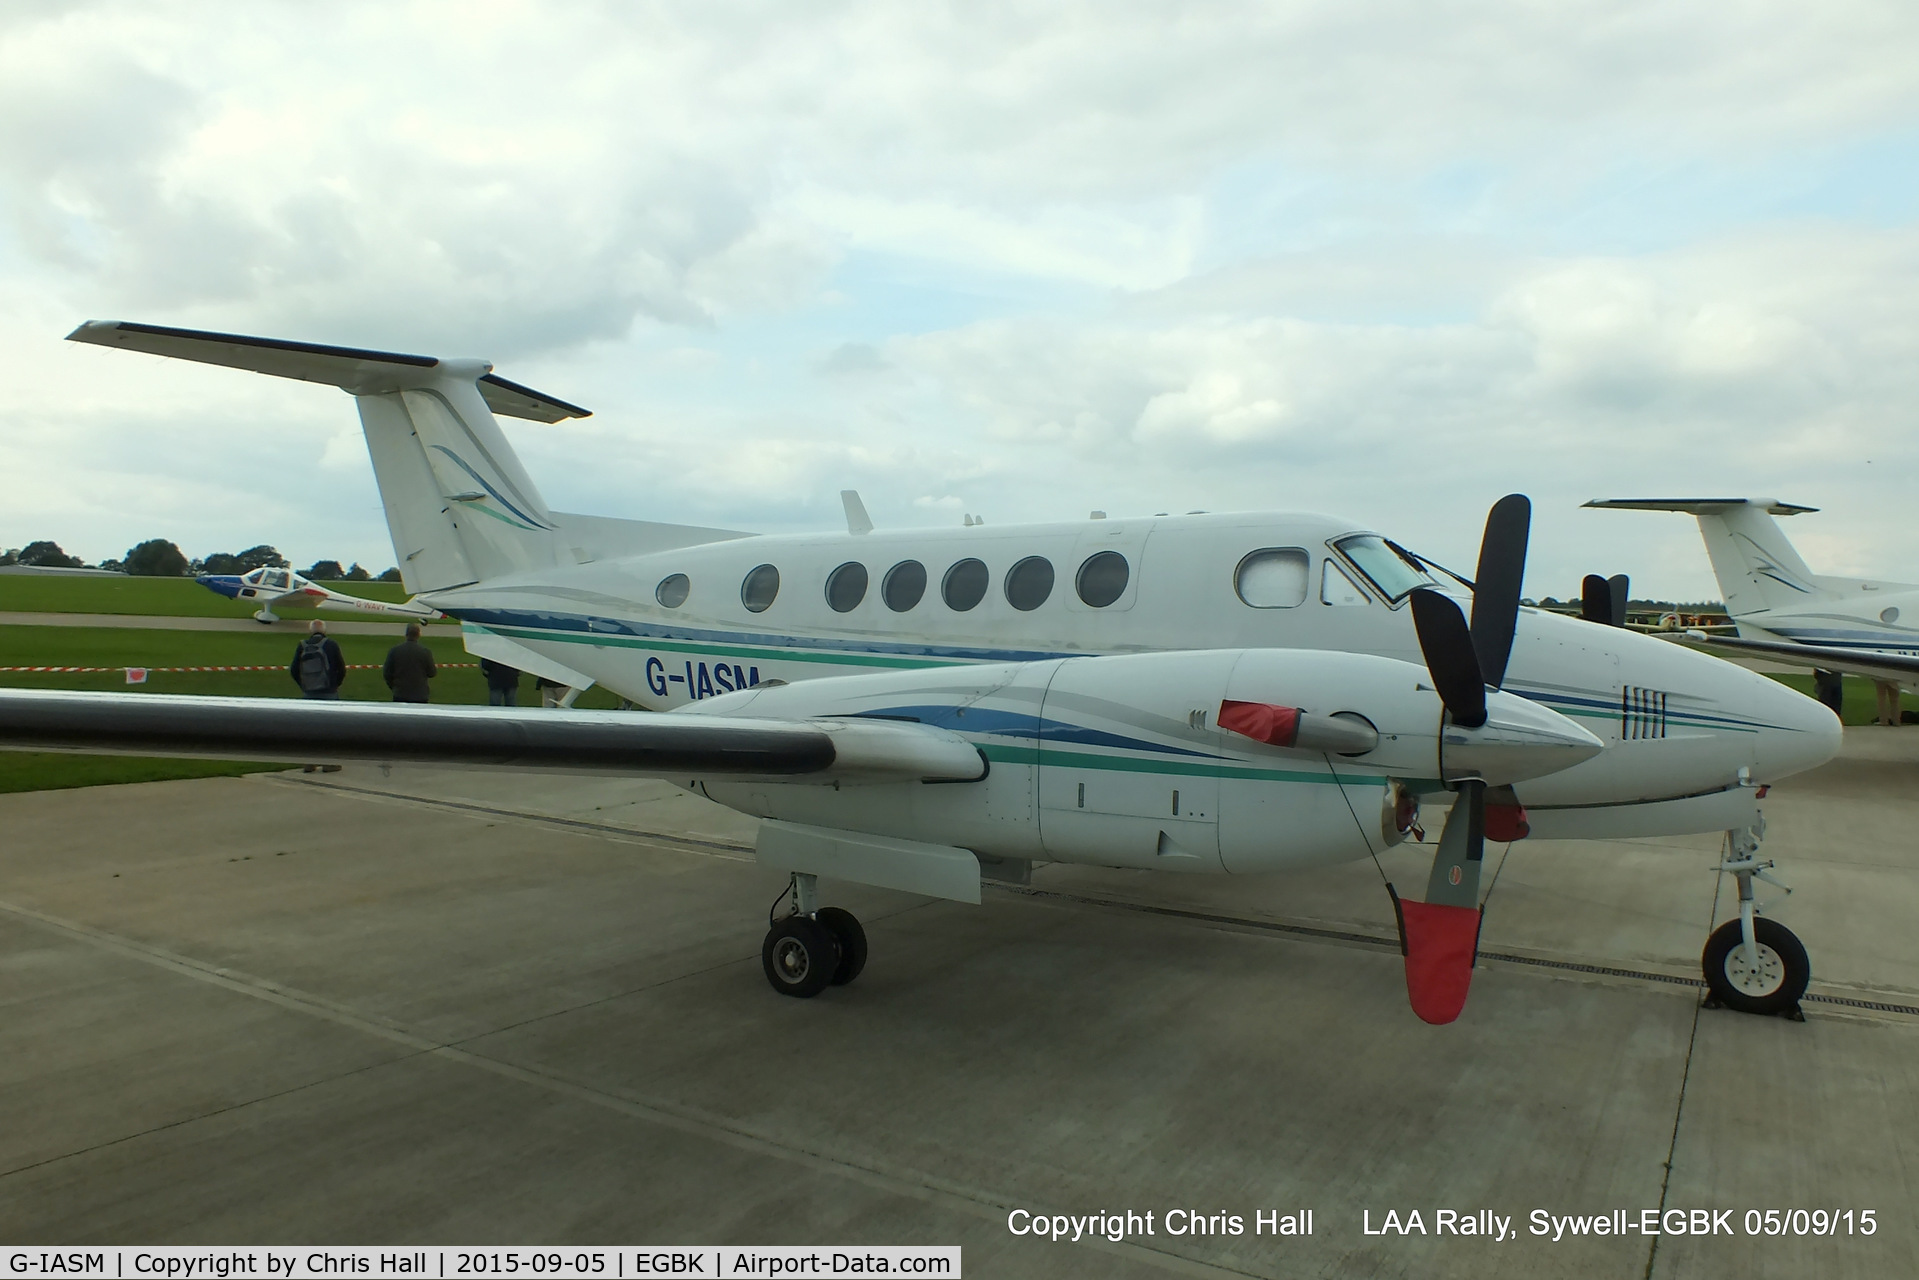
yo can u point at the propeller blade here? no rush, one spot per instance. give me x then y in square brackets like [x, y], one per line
[1462, 845]
[1440, 936]
[1447, 645]
[1616, 588]
[1595, 600]
[1502, 564]
[1603, 600]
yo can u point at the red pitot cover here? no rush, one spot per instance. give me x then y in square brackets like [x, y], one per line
[1261, 721]
[1441, 944]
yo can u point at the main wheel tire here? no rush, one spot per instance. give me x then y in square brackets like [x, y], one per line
[800, 956]
[1778, 982]
[846, 929]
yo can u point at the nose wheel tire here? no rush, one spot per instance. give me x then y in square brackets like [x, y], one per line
[852, 939]
[1774, 985]
[800, 956]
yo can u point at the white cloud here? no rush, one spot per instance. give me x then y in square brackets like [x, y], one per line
[1390, 259]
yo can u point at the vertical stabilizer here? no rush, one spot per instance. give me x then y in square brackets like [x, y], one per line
[459, 505]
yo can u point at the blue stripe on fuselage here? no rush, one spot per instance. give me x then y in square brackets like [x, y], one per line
[618, 628]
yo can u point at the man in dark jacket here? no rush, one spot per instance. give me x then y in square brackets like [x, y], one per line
[317, 666]
[408, 666]
[502, 683]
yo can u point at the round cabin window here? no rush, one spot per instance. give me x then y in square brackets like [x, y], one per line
[672, 591]
[846, 587]
[1029, 582]
[759, 588]
[903, 586]
[1102, 579]
[964, 585]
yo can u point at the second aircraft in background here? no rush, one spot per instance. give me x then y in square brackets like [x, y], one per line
[283, 586]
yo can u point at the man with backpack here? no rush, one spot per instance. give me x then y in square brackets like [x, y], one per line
[317, 666]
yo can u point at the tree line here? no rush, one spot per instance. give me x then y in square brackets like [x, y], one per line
[159, 558]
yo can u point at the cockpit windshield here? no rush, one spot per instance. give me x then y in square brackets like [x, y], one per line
[1387, 565]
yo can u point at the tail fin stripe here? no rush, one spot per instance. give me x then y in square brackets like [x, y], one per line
[481, 480]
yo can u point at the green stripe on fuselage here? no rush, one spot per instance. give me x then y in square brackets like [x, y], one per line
[1226, 770]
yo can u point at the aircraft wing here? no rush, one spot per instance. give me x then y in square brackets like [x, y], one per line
[824, 749]
[1876, 666]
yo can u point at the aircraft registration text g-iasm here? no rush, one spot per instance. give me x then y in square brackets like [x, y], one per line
[697, 680]
[282, 1263]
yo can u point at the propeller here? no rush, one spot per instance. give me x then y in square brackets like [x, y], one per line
[1603, 600]
[1440, 936]
[1464, 658]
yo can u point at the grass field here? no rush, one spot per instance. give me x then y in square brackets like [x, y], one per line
[1862, 704]
[156, 597]
[126, 647]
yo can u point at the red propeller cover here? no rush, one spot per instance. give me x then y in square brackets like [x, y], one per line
[1261, 721]
[1440, 944]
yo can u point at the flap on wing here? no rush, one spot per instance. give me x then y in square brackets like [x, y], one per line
[352, 369]
[495, 647]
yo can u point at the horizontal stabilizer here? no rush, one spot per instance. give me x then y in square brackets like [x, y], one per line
[352, 369]
[606, 742]
[1701, 506]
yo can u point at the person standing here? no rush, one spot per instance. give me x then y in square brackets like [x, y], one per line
[502, 683]
[408, 667]
[319, 669]
[317, 666]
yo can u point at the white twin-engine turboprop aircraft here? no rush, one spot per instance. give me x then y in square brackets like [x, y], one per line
[1234, 694]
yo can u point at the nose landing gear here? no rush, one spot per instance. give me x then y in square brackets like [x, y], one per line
[813, 948]
[1754, 965]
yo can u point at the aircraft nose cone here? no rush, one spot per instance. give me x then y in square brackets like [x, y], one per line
[205, 579]
[1520, 739]
[1798, 734]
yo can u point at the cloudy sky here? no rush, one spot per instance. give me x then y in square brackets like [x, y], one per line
[1387, 259]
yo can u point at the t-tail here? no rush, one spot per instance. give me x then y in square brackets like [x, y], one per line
[1758, 570]
[459, 506]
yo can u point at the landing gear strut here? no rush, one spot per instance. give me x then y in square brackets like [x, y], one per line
[1754, 965]
[814, 947]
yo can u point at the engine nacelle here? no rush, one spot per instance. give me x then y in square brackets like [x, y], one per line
[1124, 760]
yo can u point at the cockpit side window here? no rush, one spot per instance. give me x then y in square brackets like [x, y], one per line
[275, 578]
[1388, 566]
[1337, 587]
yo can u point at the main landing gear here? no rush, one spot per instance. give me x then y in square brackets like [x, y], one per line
[813, 948]
[1754, 965]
